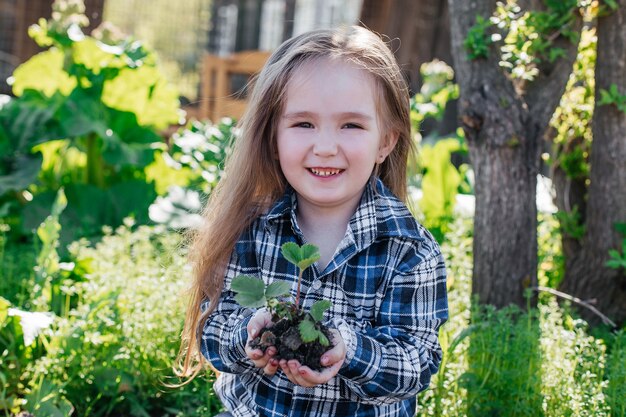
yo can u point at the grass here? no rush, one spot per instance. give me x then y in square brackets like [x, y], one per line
[542, 362]
[16, 268]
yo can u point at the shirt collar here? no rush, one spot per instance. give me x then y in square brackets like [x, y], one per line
[379, 214]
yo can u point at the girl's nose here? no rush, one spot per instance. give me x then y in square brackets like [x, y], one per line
[325, 145]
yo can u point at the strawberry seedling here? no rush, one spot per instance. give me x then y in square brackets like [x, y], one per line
[296, 334]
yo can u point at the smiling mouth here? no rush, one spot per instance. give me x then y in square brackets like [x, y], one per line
[325, 172]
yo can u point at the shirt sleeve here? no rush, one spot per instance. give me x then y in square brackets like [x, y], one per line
[394, 359]
[224, 333]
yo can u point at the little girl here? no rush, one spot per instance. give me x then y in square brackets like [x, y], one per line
[321, 158]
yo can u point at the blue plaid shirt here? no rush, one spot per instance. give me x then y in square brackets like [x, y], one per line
[387, 284]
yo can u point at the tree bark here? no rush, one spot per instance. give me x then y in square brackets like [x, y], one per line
[503, 127]
[419, 31]
[586, 275]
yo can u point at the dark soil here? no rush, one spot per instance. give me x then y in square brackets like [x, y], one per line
[285, 336]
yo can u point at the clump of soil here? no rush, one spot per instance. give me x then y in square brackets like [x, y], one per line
[285, 336]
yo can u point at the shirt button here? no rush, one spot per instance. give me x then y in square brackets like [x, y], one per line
[317, 284]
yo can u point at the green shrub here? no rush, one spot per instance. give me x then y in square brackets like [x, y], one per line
[112, 354]
[16, 268]
[86, 116]
[616, 374]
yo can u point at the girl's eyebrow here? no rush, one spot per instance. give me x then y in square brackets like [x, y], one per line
[344, 115]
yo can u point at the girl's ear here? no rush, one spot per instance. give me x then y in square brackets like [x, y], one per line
[386, 146]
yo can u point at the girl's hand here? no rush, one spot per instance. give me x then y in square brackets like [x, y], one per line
[331, 360]
[261, 319]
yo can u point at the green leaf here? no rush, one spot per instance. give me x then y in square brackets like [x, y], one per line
[291, 252]
[24, 171]
[4, 310]
[277, 289]
[323, 339]
[309, 254]
[145, 92]
[308, 331]
[605, 97]
[250, 291]
[303, 256]
[318, 309]
[251, 301]
[130, 198]
[614, 264]
[614, 253]
[82, 113]
[29, 120]
[43, 72]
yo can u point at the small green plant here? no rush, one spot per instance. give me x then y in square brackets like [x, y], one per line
[478, 41]
[618, 260]
[296, 334]
[612, 96]
[571, 223]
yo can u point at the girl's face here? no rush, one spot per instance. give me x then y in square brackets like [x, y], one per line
[329, 134]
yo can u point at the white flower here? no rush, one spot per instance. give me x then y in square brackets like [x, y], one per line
[32, 323]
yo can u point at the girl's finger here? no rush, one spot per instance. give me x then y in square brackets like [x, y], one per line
[271, 367]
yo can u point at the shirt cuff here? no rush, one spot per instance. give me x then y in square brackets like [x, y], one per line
[349, 339]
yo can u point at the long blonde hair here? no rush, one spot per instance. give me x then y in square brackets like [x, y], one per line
[253, 178]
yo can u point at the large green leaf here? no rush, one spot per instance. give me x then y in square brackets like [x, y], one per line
[309, 254]
[291, 252]
[145, 92]
[318, 309]
[250, 291]
[303, 256]
[308, 331]
[127, 126]
[83, 113]
[127, 143]
[131, 198]
[89, 208]
[19, 172]
[43, 72]
[277, 289]
[29, 120]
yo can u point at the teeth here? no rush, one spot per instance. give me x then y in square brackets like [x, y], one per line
[325, 172]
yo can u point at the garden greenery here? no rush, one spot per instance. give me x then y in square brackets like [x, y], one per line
[110, 353]
[434, 172]
[86, 117]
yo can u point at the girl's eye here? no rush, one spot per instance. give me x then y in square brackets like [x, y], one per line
[352, 126]
[304, 125]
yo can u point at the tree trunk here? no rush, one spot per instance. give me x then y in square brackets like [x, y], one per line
[587, 277]
[503, 128]
[419, 31]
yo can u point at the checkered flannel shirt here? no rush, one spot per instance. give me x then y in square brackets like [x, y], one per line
[387, 285]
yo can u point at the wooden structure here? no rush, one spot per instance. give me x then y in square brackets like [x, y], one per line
[218, 98]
